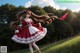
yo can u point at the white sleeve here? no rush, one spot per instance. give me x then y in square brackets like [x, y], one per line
[16, 31]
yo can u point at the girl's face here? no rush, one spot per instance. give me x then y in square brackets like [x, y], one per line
[28, 14]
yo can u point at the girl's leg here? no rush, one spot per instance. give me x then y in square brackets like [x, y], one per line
[34, 44]
[30, 47]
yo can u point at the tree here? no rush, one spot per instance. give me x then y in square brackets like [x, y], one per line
[37, 10]
[62, 29]
[49, 9]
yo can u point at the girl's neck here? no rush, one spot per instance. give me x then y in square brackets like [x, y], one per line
[27, 18]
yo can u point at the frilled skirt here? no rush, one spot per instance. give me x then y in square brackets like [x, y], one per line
[26, 35]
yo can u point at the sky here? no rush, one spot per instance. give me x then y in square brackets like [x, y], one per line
[73, 5]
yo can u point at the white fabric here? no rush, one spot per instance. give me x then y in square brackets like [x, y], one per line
[33, 29]
[20, 25]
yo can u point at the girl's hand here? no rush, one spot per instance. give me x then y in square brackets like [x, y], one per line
[16, 31]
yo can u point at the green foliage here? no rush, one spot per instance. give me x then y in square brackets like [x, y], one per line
[59, 13]
[49, 9]
[37, 10]
[62, 29]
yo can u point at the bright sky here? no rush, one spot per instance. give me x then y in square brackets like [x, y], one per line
[73, 5]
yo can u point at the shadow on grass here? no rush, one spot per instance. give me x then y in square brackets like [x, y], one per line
[44, 47]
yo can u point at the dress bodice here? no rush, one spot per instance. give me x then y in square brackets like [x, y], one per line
[26, 21]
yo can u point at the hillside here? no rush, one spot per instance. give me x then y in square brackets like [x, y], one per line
[71, 45]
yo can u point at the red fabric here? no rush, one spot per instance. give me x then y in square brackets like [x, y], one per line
[63, 17]
[24, 23]
[24, 31]
[38, 26]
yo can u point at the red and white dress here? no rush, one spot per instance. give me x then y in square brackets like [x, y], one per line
[29, 32]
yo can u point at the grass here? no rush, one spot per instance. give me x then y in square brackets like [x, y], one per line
[71, 45]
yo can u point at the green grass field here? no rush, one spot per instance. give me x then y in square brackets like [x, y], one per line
[71, 45]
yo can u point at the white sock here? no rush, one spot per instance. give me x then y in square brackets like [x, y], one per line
[30, 47]
[34, 44]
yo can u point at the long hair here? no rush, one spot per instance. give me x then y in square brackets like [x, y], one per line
[13, 25]
[42, 18]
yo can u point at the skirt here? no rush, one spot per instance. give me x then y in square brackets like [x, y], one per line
[29, 34]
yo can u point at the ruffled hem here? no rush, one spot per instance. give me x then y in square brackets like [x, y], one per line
[28, 40]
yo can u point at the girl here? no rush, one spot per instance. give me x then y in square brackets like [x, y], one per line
[28, 32]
